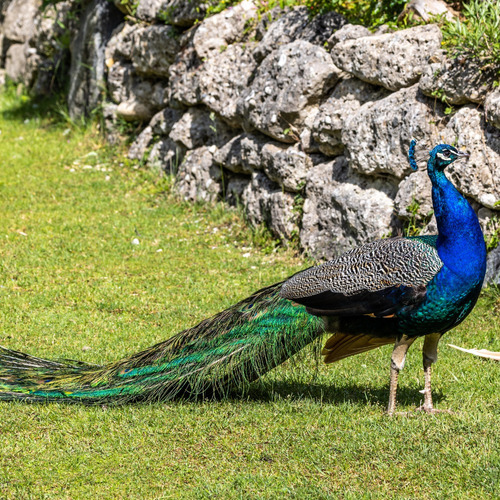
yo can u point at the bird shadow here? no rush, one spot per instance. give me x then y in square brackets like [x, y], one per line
[334, 394]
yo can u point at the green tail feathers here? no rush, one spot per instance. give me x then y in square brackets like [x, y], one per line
[219, 355]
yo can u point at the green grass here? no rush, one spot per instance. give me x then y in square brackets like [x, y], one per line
[72, 284]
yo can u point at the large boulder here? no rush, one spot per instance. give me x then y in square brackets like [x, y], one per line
[347, 97]
[124, 84]
[456, 81]
[492, 108]
[242, 154]
[166, 155]
[479, 176]
[154, 49]
[19, 22]
[266, 203]
[287, 166]
[296, 24]
[393, 60]
[223, 78]
[343, 210]
[287, 87]
[413, 202]
[198, 127]
[209, 70]
[177, 12]
[121, 43]
[217, 32]
[15, 62]
[199, 178]
[378, 134]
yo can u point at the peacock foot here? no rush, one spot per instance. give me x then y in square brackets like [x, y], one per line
[432, 411]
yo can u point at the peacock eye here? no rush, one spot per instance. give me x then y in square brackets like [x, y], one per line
[447, 153]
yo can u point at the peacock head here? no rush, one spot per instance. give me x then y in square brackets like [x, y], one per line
[439, 158]
[443, 155]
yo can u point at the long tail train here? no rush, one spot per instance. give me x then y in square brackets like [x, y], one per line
[219, 355]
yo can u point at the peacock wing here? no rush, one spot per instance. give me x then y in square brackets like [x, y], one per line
[377, 278]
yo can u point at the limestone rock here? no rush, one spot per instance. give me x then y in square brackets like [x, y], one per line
[296, 24]
[455, 81]
[87, 72]
[266, 203]
[492, 108]
[125, 85]
[141, 144]
[413, 202]
[132, 111]
[287, 86]
[348, 32]
[199, 177]
[378, 134]
[242, 154]
[162, 123]
[343, 210]
[51, 26]
[493, 268]
[166, 155]
[15, 62]
[198, 127]
[177, 12]
[222, 79]
[184, 74]
[120, 44]
[479, 177]
[287, 166]
[111, 124]
[235, 187]
[19, 21]
[154, 49]
[427, 9]
[218, 31]
[393, 60]
[347, 97]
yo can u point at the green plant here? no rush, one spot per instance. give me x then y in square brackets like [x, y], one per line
[477, 36]
[416, 222]
[370, 13]
[492, 236]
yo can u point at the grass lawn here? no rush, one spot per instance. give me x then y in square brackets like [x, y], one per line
[72, 284]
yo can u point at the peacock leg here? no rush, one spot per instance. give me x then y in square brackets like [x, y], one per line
[429, 357]
[397, 363]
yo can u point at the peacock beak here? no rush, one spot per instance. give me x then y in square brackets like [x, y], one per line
[463, 154]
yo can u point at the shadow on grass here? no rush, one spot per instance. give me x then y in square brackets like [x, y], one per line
[335, 394]
[25, 107]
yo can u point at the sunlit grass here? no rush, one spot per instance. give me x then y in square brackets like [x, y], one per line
[73, 284]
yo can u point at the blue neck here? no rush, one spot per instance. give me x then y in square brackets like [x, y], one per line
[460, 242]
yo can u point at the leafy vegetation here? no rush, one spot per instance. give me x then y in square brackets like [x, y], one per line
[370, 13]
[478, 35]
[416, 221]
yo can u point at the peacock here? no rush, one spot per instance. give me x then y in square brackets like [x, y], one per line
[390, 291]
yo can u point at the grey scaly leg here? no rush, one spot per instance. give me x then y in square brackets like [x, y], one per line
[397, 363]
[429, 356]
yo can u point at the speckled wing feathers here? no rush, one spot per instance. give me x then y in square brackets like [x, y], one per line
[401, 266]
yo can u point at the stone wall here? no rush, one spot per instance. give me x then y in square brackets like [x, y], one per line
[304, 122]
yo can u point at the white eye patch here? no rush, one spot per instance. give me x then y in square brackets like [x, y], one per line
[442, 156]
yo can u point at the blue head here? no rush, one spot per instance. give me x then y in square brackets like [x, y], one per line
[439, 158]
[443, 155]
